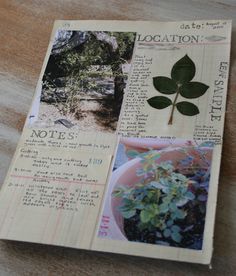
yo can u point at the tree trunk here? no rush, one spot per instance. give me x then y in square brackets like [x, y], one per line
[119, 85]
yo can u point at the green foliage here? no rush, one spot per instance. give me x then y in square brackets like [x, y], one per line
[80, 64]
[193, 90]
[159, 198]
[183, 71]
[125, 41]
[165, 85]
[159, 102]
[187, 108]
[72, 61]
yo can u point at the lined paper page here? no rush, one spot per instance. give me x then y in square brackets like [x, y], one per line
[54, 196]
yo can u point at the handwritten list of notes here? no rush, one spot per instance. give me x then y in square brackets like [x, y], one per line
[134, 119]
[72, 140]
[47, 183]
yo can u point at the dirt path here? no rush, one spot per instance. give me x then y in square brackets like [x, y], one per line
[93, 116]
[88, 120]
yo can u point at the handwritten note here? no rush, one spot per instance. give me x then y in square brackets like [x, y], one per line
[51, 193]
[80, 140]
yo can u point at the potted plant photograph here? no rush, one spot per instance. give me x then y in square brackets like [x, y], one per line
[160, 196]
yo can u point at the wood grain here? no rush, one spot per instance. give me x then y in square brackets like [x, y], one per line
[25, 29]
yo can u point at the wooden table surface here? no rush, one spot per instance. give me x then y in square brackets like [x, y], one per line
[25, 27]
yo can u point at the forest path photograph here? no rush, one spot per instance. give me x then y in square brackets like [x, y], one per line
[85, 79]
[93, 114]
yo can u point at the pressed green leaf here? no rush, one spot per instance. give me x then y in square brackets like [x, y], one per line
[183, 70]
[187, 108]
[165, 85]
[193, 90]
[159, 102]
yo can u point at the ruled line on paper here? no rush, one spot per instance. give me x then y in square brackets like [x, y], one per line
[57, 180]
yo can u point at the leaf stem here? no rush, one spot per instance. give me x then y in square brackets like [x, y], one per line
[173, 106]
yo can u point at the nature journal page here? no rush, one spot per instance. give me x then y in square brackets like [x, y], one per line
[121, 147]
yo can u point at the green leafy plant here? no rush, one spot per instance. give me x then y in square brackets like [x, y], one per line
[168, 204]
[158, 199]
[180, 83]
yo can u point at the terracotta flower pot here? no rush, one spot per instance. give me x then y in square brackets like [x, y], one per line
[143, 145]
[125, 175]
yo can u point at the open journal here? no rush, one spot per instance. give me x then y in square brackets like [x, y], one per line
[121, 148]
